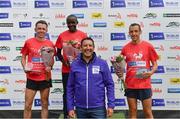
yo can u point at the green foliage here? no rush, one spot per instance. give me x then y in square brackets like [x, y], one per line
[119, 58]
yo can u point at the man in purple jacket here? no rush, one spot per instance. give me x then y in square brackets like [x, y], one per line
[88, 79]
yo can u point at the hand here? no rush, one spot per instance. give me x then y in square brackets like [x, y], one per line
[119, 74]
[25, 70]
[51, 63]
[48, 69]
[72, 114]
[109, 112]
[146, 75]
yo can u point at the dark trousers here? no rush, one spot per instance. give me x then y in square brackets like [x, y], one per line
[97, 113]
[64, 81]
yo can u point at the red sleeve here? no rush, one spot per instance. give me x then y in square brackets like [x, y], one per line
[122, 52]
[54, 50]
[153, 54]
[25, 49]
[59, 42]
[85, 35]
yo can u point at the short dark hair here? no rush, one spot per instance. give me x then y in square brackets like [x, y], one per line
[135, 24]
[87, 38]
[41, 22]
[71, 15]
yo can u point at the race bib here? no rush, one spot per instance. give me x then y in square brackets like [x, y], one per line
[95, 69]
[137, 64]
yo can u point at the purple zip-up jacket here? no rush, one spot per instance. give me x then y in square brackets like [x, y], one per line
[87, 84]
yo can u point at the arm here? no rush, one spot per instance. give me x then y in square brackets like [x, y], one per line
[70, 94]
[153, 59]
[60, 57]
[154, 68]
[59, 45]
[109, 83]
[23, 62]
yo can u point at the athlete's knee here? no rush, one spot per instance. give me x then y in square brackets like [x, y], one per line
[44, 104]
[28, 107]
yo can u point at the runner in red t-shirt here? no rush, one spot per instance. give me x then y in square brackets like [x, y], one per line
[138, 56]
[38, 75]
[71, 35]
[32, 48]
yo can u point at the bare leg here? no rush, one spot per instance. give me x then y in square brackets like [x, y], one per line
[44, 102]
[29, 97]
[147, 104]
[132, 103]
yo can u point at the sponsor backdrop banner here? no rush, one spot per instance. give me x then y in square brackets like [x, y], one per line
[106, 21]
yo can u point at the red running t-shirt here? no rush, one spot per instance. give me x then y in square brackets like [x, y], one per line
[138, 56]
[31, 48]
[64, 38]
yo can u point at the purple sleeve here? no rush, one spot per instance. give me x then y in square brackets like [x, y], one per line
[70, 91]
[109, 83]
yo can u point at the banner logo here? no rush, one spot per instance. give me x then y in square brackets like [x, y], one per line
[120, 102]
[5, 69]
[100, 24]
[5, 102]
[158, 102]
[4, 15]
[5, 4]
[156, 36]
[156, 3]
[41, 4]
[80, 4]
[5, 36]
[118, 36]
[118, 3]
[24, 24]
